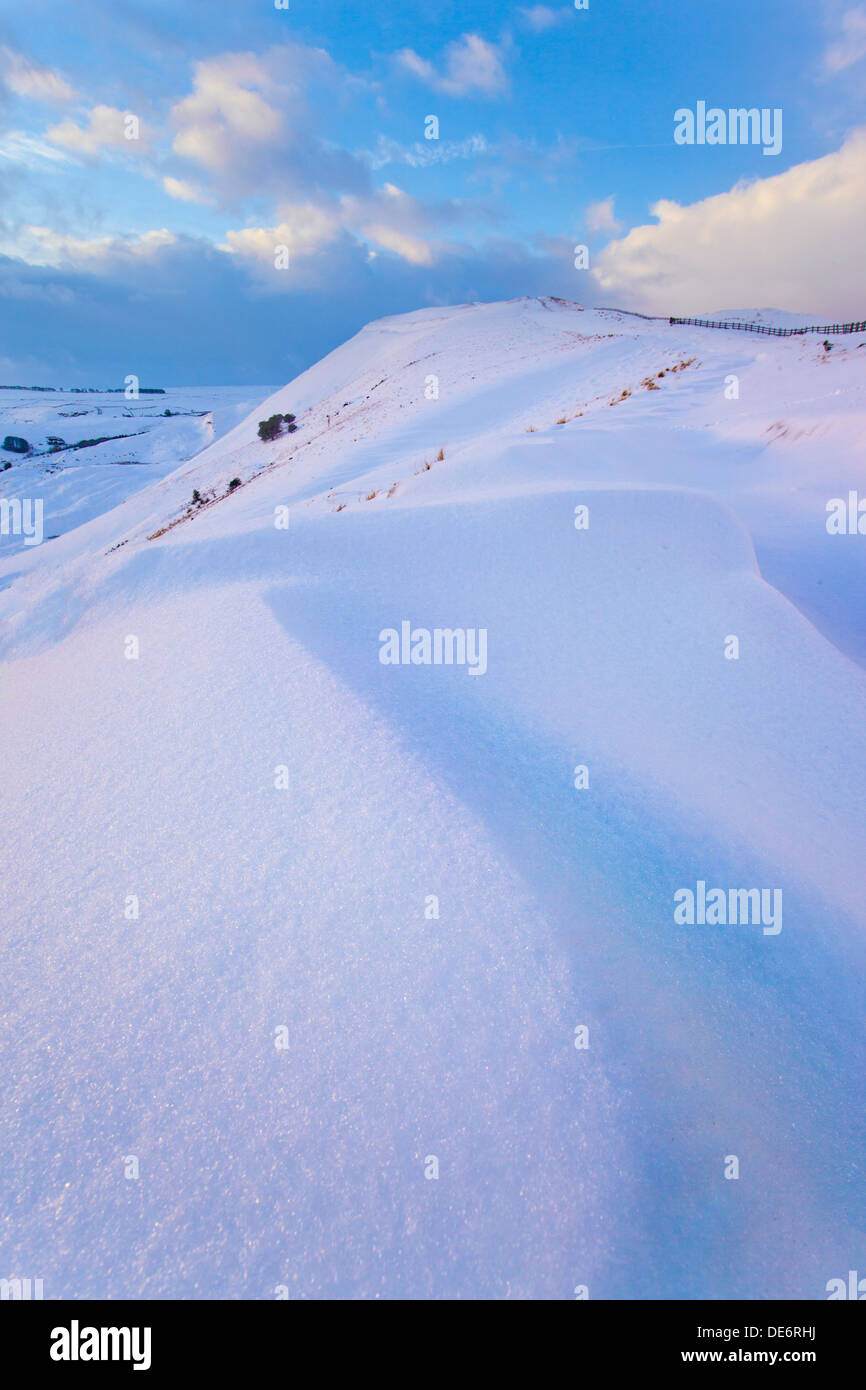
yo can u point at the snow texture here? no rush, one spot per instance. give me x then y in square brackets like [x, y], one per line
[284, 807]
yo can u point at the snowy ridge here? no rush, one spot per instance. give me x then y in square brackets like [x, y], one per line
[285, 808]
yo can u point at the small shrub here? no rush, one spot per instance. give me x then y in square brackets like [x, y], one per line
[272, 427]
[196, 496]
[16, 445]
[440, 456]
[235, 483]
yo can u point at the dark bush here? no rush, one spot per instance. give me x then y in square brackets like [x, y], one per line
[270, 429]
[16, 445]
[235, 482]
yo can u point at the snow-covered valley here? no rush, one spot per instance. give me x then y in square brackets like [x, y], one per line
[90, 450]
[373, 968]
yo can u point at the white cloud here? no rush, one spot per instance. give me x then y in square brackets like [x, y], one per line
[253, 125]
[389, 217]
[226, 109]
[600, 217]
[42, 246]
[182, 190]
[106, 129]
[25, 79]
[422, 154]
[409, 248]
[794, 240]
[542, 17]
[32, 153]
[472, 66]
[851, 47]
[304, 228]
[394, 220]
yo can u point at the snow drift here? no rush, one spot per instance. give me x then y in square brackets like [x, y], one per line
[374, 969]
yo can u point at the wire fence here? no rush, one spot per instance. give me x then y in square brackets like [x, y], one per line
[632, 313]
[827, 329]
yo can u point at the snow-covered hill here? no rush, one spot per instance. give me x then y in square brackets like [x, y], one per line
[377, 903]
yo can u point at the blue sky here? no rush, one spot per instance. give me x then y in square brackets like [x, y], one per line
[261, 128]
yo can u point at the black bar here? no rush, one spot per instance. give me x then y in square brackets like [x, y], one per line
[227, 1338]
